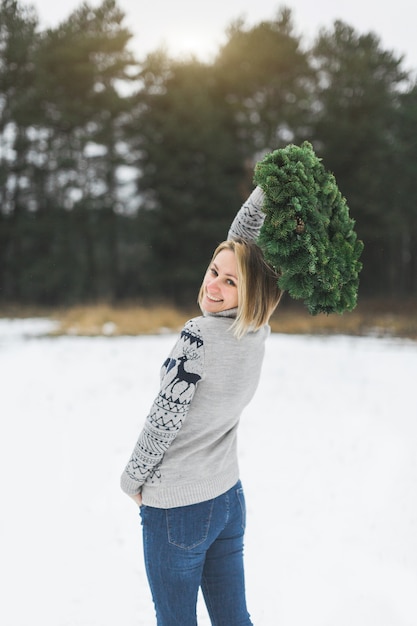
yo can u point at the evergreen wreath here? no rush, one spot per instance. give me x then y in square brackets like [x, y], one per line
[308, 236]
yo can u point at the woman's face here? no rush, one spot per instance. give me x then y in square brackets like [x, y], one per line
[220, 284]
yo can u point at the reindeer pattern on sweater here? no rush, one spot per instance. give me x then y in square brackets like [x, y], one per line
[180, 374]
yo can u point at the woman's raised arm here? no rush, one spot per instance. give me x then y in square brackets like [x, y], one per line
[249, 219]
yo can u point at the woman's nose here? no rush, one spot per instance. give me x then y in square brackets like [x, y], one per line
[212, 281]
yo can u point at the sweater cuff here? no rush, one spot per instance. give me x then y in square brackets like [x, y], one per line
[130, 486]
[257, 197]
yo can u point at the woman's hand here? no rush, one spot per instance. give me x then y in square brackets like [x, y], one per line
[137, 498]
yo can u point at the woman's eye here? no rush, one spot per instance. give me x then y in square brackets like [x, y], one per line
[213, 271]
[231, 282]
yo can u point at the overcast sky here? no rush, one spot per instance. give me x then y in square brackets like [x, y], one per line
[189, 25]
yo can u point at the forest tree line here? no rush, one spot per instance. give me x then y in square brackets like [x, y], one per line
[119, 176]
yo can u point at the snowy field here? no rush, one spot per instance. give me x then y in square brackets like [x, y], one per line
[332, 506]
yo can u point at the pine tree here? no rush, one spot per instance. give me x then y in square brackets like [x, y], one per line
[308, 235]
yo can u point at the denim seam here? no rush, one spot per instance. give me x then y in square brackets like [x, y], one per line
[239, 493]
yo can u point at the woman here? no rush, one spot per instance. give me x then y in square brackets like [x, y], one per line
[184, 471]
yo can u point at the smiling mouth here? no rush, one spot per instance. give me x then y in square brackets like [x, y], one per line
[213, 299]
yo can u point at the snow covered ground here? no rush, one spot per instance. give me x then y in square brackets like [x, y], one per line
[332, 505]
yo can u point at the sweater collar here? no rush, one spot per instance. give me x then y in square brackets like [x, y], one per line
[228, 313]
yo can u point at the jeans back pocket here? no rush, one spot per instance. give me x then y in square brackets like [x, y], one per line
[188, 526]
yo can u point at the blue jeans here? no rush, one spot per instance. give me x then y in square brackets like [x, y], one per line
[192, 546]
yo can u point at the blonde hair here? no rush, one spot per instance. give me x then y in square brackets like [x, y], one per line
[257, 288]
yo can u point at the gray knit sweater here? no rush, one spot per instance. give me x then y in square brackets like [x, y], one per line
[187, 450]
